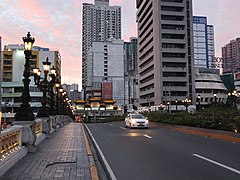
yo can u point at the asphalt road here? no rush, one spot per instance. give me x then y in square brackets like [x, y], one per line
[161, 154]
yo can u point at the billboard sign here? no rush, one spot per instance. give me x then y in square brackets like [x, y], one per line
[107, 90]
[237, 76]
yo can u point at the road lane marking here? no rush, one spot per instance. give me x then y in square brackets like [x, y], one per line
[93, 168]
[147, 136]
[122, 128]
[110, 171]
[111, 124]
[217, 163]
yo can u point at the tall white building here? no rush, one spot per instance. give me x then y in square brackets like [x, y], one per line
[100, 22]
[204, 52]
[165, 52]
[107, 65]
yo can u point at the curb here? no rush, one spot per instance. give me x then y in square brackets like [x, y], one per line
[93, 169]
[211, 133]
[101, 156]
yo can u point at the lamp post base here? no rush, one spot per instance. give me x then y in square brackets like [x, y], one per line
[43, 112]
[24, 114]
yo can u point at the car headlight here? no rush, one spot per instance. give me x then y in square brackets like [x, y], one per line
[146, 121]
[133, 121]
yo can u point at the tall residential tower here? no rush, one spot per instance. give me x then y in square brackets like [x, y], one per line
[100, 23]
[203, 35]
[231, 56]
[131, 71]
[166, 62]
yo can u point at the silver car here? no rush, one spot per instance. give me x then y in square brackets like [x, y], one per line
[136, 120]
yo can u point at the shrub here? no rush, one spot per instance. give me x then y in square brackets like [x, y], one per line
[220, 117]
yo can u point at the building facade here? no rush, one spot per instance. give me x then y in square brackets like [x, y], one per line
[231, 56]
[13, 60]
[0, 77]
[203, 36]
[209, 87]
[166, 56]
[72, 91]
[99, 23]
[107, 68]
[131, 71]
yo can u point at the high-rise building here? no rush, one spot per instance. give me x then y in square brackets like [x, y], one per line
[131, 71]
[13, 60]
[203, 36]
[72, 91]
[107, 70]
[130, 55]
[99, 23]
[165, 52]
[0, 77]
[231, 56]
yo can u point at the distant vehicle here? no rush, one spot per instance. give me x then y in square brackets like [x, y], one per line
[78, 118]
[136, 120]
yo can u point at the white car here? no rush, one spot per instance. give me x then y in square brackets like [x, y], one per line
[136, 120]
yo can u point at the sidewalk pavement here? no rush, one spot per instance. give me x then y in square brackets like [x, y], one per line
[66, 155]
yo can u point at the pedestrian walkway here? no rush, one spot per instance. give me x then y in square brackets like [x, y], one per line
[62, 156]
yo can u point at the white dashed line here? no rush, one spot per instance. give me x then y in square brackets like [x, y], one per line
[111, 124]
[147, 136]
[217, 163]
[122, 128]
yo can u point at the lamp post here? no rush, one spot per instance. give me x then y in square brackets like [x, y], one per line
[60, 105]
[5, 121]
[215, 98]
[24, 113]
[176, 102]
[186, 102]
[234, 96]
[57, 97]
[199, 101]
[51, 93]
[43, 85]
[168, 104]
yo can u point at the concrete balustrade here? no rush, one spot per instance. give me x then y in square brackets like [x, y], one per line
[23, 137]
[9, 140]
[11, 149]
[38, 126]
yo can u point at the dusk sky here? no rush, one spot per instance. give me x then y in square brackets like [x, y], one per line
[56, 24]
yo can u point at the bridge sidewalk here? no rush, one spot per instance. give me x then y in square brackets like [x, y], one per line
[62, 156]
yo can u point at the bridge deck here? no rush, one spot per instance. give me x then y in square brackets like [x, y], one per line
[62, 156]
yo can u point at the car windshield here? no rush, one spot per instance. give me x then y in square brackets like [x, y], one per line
[137, 116]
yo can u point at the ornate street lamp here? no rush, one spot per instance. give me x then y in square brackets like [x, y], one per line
[24, 113]
[43, 85]
[51, 93]
[60, 100]
[57, 85]
[186, 102]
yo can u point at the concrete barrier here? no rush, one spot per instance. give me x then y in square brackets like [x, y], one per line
[23, 137]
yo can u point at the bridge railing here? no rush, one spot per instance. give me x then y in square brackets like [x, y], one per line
[16, 141]
[10, 141]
